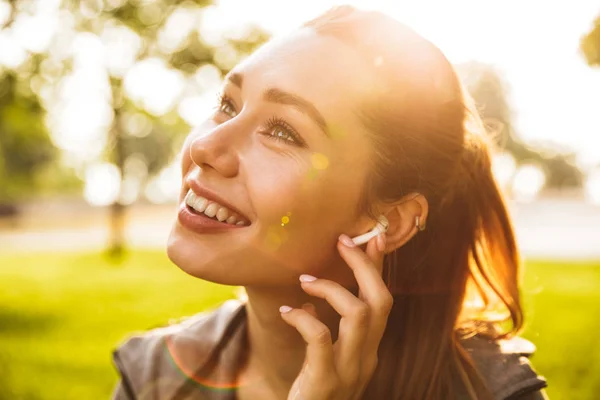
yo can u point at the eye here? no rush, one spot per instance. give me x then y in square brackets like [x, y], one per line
[225, 106]
[280, 130]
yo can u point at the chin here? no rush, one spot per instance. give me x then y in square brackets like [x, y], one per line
[243, 265]
[199, 260]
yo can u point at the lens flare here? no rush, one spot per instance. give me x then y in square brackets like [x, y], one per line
[275, 237]
[201, 382]
[319, 161]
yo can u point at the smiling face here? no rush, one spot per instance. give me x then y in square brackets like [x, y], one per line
[286, 149]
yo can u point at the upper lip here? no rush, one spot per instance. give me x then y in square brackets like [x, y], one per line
[212, 196]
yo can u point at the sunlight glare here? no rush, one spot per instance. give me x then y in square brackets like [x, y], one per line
[165, 187]
[154, 86]
[196, 109]
[136, 124]
[528, 181]
[12, 54]
[504, 167]
[135, 172]
[34, 32]
[102, 184]
[208, 77]
[181, 22]
[121, 47]
[82, 114]
[88, 51]
[592, 187]
[4, 12]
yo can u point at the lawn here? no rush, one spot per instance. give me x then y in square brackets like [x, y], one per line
[61, 316]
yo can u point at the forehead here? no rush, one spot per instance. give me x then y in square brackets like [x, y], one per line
[319, 68]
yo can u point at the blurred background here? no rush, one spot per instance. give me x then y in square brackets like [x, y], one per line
[96, 97]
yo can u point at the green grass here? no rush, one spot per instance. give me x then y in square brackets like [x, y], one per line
[61, 315]
[562, 307]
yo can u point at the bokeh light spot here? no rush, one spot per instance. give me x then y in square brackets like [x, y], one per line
[275, 237]
[320, 161]
[102, 184]
[527, 183]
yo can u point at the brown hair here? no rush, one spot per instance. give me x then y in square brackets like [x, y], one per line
[459, 276]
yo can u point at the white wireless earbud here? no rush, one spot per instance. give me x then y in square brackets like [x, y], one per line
[382, 226]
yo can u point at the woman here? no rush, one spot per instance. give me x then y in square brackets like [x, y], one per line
[316, 135]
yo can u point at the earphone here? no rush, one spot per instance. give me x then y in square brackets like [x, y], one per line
[382, 226]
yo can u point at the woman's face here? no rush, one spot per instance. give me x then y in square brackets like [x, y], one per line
[286, 149]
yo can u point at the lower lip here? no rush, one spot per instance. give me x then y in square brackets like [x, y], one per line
[200, 223]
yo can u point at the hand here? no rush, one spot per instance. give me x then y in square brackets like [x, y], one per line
[341, 371]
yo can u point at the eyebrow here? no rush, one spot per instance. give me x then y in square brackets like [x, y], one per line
[236, 78]
[275, 95]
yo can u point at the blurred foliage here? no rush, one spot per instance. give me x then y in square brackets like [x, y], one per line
[590, 44]
[489, 91]
[25, 145]
[147, 19]
[24, 140]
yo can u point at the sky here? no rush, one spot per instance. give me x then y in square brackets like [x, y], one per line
[554, 94]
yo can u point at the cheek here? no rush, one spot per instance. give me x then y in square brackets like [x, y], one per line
[301, 214]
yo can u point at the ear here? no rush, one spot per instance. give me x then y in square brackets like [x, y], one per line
[402, 217]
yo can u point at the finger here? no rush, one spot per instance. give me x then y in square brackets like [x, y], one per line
[373, 289]
[354, 325]
[310, 308]
[375, 251]
[319, 349]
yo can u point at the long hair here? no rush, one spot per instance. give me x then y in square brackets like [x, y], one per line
[459, 276]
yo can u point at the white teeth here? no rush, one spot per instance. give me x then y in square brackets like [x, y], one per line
[190, 199]
[200, 204]
[211, 210]
[222, 214]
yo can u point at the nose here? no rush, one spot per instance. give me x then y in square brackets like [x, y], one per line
[215, 151]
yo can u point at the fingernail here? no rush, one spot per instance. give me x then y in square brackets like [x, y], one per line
[346, 240]
[307, 278]
[381, 239]
[284, 309]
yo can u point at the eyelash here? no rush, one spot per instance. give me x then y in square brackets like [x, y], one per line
[272, 123]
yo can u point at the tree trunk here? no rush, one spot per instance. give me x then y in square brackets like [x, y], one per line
[117, 246]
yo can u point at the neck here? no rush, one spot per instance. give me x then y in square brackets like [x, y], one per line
[276, 349]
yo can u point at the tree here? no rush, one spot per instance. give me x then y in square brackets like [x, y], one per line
[149, 20]
[489, 91]
[25, 145]
[139, 129]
